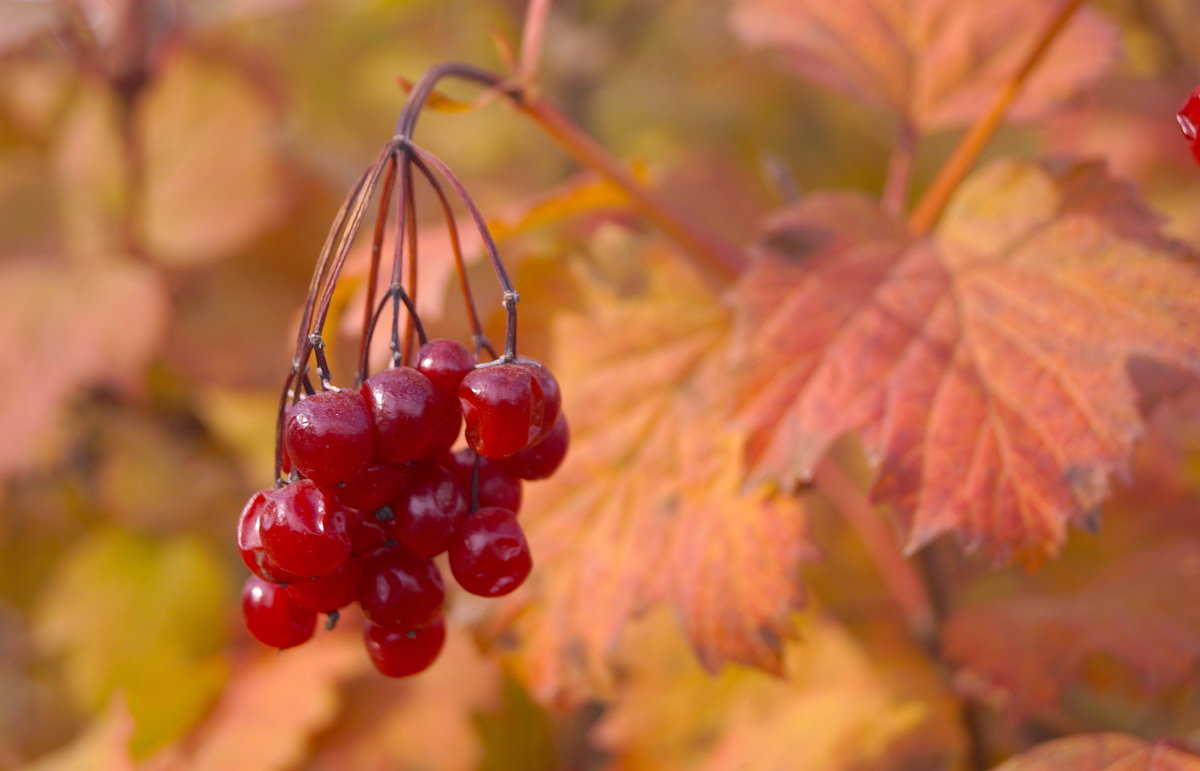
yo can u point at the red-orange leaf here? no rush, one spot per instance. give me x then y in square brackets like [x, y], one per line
[935, 62]
[1103, 752]
[985, 367]
[646, 508]
[1140, 612]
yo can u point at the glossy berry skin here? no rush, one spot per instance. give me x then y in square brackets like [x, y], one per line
[432, 508]
[325, 594]
[1189, 122]
[377, 485]
[304, 530]
[273, 617]
[445, 363]
[403, 410]
[552, 396]
[542, 459]
[367, 534]
[404, 652]
[503, 407]
[497, 485]
[448, 428]
[401, 590]
[490, 556]
[249, 541]
[328, 436]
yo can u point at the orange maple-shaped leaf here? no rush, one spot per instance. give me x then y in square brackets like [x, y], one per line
[1103, 752]
[647, 506]
[985, 366]
[937, 63]
[1140, 612]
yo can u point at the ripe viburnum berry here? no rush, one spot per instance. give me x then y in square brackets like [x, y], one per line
[503, 407]
[273, 617]
[404, 652]
[490, 557]
[328, 436]
[1189, 122]
[304, 530]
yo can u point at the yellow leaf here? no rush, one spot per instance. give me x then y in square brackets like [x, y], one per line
[143, 617]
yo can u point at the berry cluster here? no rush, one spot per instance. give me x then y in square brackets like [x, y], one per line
[369, 488]
[379, 494]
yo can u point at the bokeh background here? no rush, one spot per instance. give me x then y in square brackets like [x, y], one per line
[168, 171]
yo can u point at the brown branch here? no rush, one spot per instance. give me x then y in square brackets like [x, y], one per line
[927, 211]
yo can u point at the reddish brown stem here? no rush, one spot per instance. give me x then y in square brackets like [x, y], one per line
[927, 211]
[901, 578]
[720, 258]
[381, 218]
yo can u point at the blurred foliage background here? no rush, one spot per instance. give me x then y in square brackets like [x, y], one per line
[166, 182]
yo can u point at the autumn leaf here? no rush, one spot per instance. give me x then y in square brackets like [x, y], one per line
[102, 746]
[422, 722]
[212, 180]
[647, 506]
[1103, 752]
[936, 63]
[68, 327]
[1022, 651]
[142, 617]
[830, 709]
[275, 703]
[985, 367]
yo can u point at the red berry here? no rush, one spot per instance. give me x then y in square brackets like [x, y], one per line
[377, 485]
[304, 531]
[367, 533]
[490, 556]
[400, 590]
[1189, 122]
[273, 617]
[448, 428]
[250, 542]
[552, 396]
[400, 653]
[325, 594]
[328, 436]
[402, 406]
[498, 486]
[542, 459]
[503, 407]
[432, 509]
[445, 363]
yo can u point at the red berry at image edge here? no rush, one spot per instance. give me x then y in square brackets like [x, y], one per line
[1189, 122]
[273, 617]
[490, 556]
[328, 436]
[400, 653]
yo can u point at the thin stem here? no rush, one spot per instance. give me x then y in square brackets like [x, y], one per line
[900, 169]
[381, 219]
[510, 294]
[411, 215]
[460, 265]
[533, 36]
[899, 576]
[402, 211]
[930, 207]
[710, 250]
